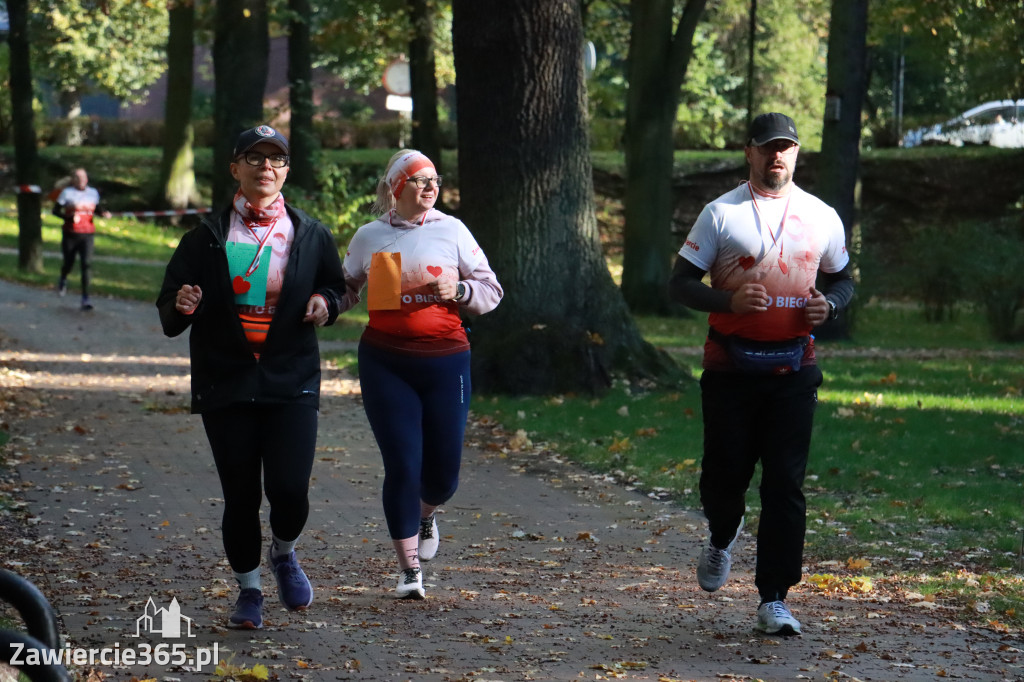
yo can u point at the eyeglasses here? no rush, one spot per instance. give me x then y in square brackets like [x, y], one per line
[257, 159]
[422, 182]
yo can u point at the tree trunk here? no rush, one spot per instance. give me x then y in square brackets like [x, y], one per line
[657, 67]
[527, 193]
[839, 161]
[302, 139]
[241, 48]
[70, 133]
[26, 157]
[177, 186]
[426, 135]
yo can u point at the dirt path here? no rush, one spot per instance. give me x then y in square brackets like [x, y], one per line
[545, 572]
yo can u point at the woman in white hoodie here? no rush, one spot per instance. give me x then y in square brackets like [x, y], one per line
[421, 268]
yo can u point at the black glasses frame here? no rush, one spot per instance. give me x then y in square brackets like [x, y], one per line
[421, 181]
[257, 159]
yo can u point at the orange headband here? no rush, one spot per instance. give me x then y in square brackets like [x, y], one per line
[404, 168]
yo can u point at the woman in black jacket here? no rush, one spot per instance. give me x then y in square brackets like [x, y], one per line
[252, 282]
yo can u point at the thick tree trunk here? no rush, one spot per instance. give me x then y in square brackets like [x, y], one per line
[177, 185]
[527, 194]
[303, 140]
[241, 48]
[839, 161]
[657, 66]
[426, 135]
[26, 157]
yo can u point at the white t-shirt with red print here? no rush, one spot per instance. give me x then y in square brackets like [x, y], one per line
[740, 237]
[442, 247]
[84, 203]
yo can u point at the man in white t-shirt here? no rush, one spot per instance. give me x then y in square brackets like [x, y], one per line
[765, 243]
[77, 204]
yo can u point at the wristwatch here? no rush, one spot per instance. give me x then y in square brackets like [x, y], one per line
[833, 309]
[460, 291]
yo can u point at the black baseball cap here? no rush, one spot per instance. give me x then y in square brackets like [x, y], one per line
[253, 136]
[773, 126]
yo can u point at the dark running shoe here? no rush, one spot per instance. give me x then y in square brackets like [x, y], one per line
[248, 613]
[292, 584]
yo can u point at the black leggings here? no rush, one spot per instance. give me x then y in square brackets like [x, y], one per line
[82, 245]
[278, 441]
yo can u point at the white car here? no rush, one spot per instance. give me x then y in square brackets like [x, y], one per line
[998, 124]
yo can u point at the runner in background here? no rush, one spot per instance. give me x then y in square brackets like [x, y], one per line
[77, 204]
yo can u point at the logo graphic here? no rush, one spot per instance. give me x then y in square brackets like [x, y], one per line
[265, 131]
[164, 622]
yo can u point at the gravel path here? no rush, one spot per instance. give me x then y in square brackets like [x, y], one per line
[546, 572]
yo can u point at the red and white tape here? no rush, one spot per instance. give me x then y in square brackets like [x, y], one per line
[29, 189]
[142, 214]
[160, 214]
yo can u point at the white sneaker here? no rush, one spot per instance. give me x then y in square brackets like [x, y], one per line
[714, 564]
[410, 584]
[775, 619]
[429, 539]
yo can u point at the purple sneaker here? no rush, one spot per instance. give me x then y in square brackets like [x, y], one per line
[292, 584]
[248, 613]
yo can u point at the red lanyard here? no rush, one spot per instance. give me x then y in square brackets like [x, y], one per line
[259, 249]
[782, 226]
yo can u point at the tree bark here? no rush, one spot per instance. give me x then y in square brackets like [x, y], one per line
[302, 140]
[839, 161]
[26, 156]
[177, 185]
[657, 66]
[426, 135]
[241, 48]
[527, 193]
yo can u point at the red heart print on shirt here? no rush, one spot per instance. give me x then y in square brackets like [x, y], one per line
[239, 285]
[434, 270]
[747, 262]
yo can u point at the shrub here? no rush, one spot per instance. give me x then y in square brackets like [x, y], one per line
[343, 200]
[938, 272]
[995, 268]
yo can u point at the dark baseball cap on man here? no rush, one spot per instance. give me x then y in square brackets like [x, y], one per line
[252, 137]
[773, 126]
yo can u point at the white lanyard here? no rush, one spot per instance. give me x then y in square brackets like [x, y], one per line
[782, 226]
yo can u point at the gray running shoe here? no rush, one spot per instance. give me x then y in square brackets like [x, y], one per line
[774, 618]
[714, 564]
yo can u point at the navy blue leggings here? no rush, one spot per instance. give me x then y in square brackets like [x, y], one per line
[417, 408]
[277, 441]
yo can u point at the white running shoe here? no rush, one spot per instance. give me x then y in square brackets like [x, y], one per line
[410, 584]
[714, 564]
[429, 539]
[775, 619]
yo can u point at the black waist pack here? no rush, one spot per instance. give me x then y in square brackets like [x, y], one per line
[763, 357]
